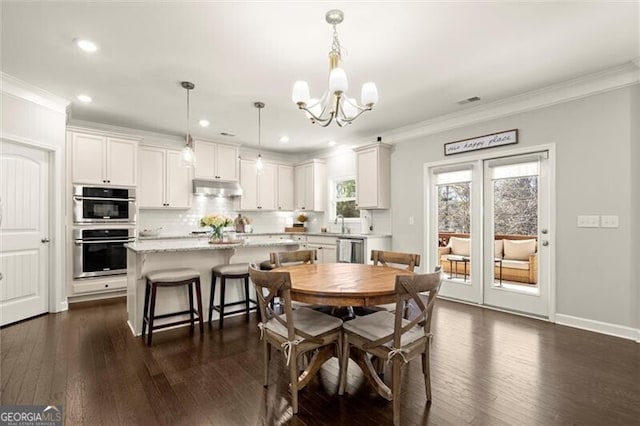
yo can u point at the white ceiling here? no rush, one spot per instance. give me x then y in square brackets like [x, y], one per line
[424, 58]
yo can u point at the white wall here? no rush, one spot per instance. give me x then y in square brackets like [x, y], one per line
[34, 117]
[634, 160]
[593, 176]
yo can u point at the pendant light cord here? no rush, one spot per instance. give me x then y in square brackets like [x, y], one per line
[188, 130]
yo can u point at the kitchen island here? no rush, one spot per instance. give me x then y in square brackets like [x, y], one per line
[198, 254]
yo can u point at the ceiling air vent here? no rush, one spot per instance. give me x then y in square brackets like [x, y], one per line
[469, 100]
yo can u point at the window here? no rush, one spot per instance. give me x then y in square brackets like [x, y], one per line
[344, 195]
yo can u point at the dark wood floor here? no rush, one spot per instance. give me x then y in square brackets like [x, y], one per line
[487, 368]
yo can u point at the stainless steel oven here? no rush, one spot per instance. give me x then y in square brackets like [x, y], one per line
[96, 204]
[100, 251]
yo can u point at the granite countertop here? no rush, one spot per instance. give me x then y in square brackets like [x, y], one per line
[160, 245]
[169, 236]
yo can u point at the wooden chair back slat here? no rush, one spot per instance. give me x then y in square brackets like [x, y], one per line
[390, 258]
[292, 257]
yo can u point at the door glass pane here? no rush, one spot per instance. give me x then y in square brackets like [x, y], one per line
[454, 224]
[515, 226]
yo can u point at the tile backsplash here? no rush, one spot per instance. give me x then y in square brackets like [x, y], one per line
[184, 221]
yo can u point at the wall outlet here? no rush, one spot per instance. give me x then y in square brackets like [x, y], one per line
[410, 220]
[609, 221]
[588, 221]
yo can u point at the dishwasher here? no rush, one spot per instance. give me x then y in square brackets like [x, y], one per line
[350, 250]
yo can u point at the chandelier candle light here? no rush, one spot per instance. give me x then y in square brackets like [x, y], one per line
[334, 104]
[217, 222]
[188, 157]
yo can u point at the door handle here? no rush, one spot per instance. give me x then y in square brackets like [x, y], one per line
[45, 240]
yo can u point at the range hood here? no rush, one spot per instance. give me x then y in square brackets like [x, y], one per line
[216, 188]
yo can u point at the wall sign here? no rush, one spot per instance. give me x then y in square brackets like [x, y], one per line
[482, 142]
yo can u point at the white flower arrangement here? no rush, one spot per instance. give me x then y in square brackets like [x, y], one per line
[215, 221]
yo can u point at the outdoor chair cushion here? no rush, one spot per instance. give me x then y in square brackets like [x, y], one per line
[519, 249]
[460, 246]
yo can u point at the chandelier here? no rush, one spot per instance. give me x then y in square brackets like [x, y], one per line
[187, 156]
[334, 104]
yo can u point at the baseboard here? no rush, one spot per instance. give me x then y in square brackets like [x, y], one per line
[599, 327]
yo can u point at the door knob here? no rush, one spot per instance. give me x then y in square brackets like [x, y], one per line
[545, 243]
[45, 240]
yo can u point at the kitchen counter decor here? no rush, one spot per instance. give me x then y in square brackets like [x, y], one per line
[217, 222]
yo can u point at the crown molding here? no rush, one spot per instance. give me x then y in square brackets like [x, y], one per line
[22, 90]
[611, 79]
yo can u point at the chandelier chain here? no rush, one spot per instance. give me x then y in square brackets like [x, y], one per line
[335, 46]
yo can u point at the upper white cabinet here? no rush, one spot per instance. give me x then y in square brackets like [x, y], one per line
[164, 182]
[216, 161]
[373, 176]
[309, 183]
[285, 187]
[258, 190]
[98, 158]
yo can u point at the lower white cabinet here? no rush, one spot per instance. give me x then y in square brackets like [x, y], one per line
[163, 182]
[326, 247]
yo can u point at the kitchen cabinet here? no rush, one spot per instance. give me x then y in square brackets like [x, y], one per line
[309, 186]
[100, 159]
[258, 190]
[325, 246]
[285, 187]
[164, 182]
[373, 176]
[216, 161]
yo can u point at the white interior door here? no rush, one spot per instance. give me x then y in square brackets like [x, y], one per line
[516, 233]
[24, 232]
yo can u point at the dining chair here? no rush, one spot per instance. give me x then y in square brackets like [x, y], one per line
[294, 332]
[390, 337]
[298, 257]
[393, 259]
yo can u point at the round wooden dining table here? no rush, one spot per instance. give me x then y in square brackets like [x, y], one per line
[343, 284]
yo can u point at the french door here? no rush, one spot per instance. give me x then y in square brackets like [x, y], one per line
[489, 229]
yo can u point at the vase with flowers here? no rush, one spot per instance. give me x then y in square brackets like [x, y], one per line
[217, 223]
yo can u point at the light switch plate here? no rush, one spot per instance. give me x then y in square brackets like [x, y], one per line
[609, 221]
[588, 221]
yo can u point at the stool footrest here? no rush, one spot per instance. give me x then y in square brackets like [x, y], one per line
[242, 302]
[171, 324]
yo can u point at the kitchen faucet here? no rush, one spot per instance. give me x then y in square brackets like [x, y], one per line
[343, 229]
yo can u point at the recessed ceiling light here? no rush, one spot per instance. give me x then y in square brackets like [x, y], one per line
[86, 45]
[284, 139]
[204, 123]
[331, 143]
[84, 98]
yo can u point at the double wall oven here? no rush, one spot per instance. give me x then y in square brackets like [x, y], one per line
[104, 221]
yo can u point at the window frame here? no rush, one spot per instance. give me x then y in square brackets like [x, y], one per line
[333, 183]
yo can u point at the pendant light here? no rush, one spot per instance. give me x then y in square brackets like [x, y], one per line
[188, 156]
[259, 163]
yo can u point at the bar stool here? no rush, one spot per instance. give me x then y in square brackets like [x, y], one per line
[224, 272]
[171, 278]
